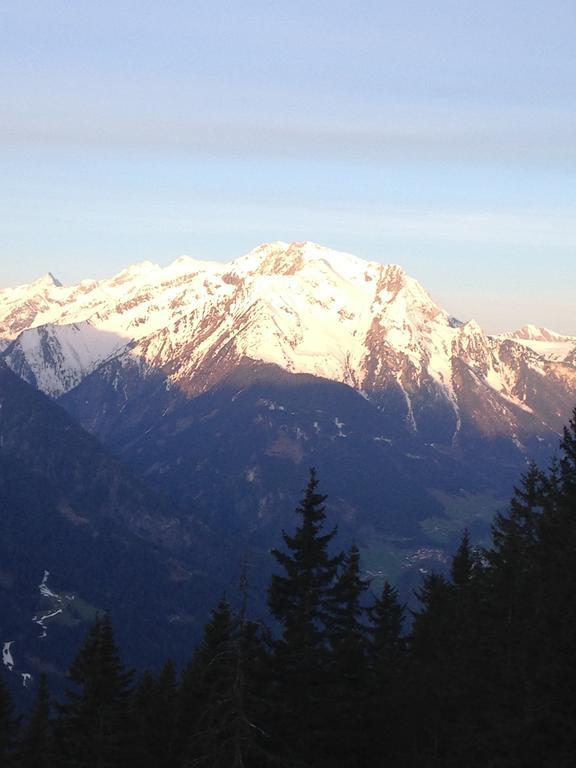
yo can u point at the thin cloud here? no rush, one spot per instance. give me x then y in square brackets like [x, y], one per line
[429, 137]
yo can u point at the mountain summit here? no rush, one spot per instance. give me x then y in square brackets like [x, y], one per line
[305, 308]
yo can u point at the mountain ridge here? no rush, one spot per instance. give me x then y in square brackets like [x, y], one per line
[302, 306]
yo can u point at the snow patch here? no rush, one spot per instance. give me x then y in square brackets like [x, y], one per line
[47, 593]
[339, 427]
[41, 621]
[7, 658]
[45, 590]
[271, 405]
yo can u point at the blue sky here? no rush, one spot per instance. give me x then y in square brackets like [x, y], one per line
[441, 136]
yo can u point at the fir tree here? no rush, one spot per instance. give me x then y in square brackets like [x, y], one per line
[143, 715]
[154, 719]
[8, 725]
[568, 460]
[551, 705]
[299, 599]
[93, 728]
[514, 592]
[468, 689]
[227, 731]
[346, 710]
[387, 616]
[346, 625]
[388, 726]
[35, 749]
[463, 563]
[201, 676]
[515, 533]
[430, 665]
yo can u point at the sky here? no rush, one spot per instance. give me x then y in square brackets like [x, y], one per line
[440, 136]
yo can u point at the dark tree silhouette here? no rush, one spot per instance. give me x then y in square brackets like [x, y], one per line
[93, 730]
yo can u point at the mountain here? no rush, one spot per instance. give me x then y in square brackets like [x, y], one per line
[221, 383]
[81, 533]
[238, 454]
[55, 358]
[548, 344]
[305, 308]
[53, 335]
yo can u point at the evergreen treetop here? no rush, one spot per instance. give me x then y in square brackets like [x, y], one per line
[299, 599]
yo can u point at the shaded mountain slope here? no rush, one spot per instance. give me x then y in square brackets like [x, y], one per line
[81, 533]
[239, 453]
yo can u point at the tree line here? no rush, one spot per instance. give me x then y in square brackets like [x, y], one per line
[485, 677]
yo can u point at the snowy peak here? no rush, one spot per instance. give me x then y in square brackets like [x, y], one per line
[136, 272]
[548, 344]
[276, 258]
[301, 306]
[280, 258]
[534, 333]
[187, 265]
[55, 358]
[28, 291]
[47, 281]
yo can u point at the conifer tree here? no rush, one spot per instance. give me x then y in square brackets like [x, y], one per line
[526, 621]
[430, 665]
[568, 460]
[387, 616]
[468, 688]
[93, 729]
[452, 650]
[227, 732]
[143, 715]
[8, 725]
[154, 719]
[299, 599]
[348, 638]
[515, 532]
[35, 749]
[514, 590]
[201, 677]
[388, 728]
[346, 625]
[462, 568]
[551, 705]
[166, 693]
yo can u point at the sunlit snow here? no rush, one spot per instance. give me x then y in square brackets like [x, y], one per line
[304, 307]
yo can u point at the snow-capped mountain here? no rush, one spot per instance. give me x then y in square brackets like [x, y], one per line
[55, 358]
[219, 384]
[303, 307]
[76, 327]
[549, 344]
